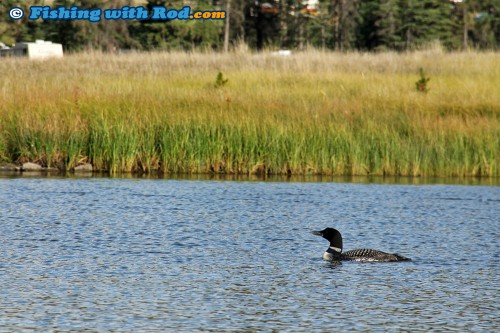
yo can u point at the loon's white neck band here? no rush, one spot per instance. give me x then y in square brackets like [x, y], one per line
[336, 249]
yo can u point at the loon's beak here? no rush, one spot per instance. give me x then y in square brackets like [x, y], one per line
[317, 233]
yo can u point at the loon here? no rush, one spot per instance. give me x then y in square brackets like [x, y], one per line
[334, 252]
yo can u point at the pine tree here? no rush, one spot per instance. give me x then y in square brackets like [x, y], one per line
[379, 25]
[320, 28]
[23, 30]
[388, 24]
[345, 18]
[425, 21]
[483, 22]
[262, 22]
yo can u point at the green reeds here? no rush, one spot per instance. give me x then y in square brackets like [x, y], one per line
[313, 113]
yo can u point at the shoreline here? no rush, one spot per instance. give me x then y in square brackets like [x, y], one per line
[376, 180]
[14, 169]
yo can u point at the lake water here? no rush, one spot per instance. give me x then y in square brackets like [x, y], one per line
[103, 254]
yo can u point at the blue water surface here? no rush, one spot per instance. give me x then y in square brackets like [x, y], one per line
[103, 254]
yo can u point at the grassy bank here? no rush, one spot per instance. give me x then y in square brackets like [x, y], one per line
[312, 113]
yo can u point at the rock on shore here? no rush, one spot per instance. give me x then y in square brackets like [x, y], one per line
[28, 166]
[87, 167]
[9, 167]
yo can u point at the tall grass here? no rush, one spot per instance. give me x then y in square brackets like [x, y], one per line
[312, 113]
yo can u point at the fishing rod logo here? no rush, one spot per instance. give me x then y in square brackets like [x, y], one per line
[157, 13]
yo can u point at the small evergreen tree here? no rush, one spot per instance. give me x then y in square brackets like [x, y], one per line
[421, 84]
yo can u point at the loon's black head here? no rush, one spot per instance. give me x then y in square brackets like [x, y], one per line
[333, 236]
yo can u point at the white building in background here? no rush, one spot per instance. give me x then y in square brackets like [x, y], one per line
[311, 4]
[37, 50]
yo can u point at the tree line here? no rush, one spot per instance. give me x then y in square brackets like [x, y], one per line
[367, 25]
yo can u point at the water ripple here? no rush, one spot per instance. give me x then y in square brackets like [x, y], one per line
[188, 256]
